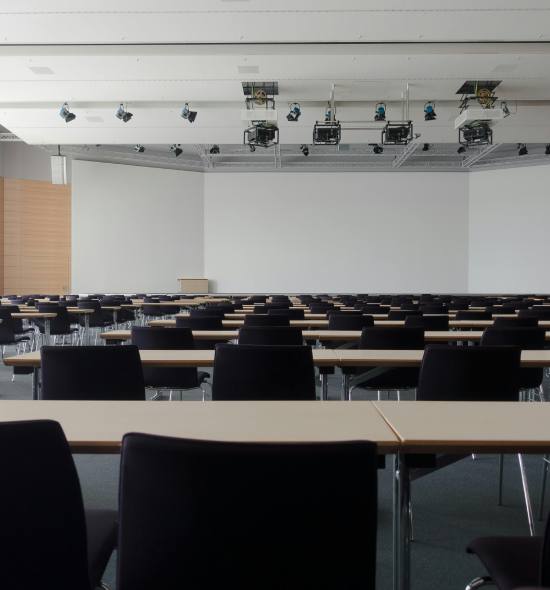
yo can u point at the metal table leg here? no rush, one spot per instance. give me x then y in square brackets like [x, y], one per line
[47, 336]
[86, 338]
[401, 524]
[35, 383]
[115, 325]
[324, 386]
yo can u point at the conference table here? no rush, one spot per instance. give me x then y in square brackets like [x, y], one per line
[398, 428]
[33, 314]
[378, 360]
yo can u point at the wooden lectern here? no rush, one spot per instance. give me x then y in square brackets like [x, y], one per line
[193, 285]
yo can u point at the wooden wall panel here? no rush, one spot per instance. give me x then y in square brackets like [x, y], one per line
[37, 237]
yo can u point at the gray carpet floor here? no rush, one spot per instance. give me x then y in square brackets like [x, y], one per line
[451, 507]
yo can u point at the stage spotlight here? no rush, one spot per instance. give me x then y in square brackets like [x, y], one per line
[123, 114]
[380, 112]
[176, 149]
[522, 149]
[547, 149]
[377, 148]
[139, 148]
[294, 112]
[426, 147]
[252, 147]
[461, 149]
[66, 114]
[304, 149]
[429, 111]
[188, 114]
[215, 149]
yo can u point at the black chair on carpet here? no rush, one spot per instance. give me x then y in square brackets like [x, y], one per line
[346, 321]
[48, 539]
[271, 335]
[91, 373]
[168, 378]
[515, 322]
[266, 320]
[392, 379]
[513, 563]
[233, 514]
[255, 373]
[402, 314]
[290, 313]
[202, 323]
[466, 314]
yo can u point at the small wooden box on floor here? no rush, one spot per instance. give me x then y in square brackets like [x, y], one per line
[188, 285]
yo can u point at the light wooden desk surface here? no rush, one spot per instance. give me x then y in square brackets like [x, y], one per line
[98, 427]
[468, 427]
[323, 335]
[322, 357]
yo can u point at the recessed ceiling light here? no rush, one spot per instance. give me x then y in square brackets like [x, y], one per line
[41, 70]
[94, 119]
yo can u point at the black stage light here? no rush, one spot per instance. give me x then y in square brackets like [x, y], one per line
[327, 133]
[139, 148]
[426, 147]
[522, 149]
[380, 112]
[123, 114]
[261, 134]
[461, 149]
[294, 112]
[304, 149]
[176, 149]
[377, 149]
[188, 114]
[429, 111]
[547, 149]
[215, 149]
[66, 114]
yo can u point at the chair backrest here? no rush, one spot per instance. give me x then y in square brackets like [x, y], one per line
[540, 313]
[433, 308]
[262, 335]
[401, 314]
[245, 515]
[207, 312]
[469, 373]
[544, 571]
[292, 314]
[166, 339]
[91, 373]
[390, 338]
[200, 322]
[41, 509]
[249, 372]
[466, 314]
[428, 322]
[344, 321]
[515, 322]
[266, 320]
[531, 338]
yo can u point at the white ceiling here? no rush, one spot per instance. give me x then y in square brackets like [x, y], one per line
[50, 55]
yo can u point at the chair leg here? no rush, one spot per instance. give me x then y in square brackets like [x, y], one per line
[527, 497]
[545, 460]
[500, 478]
[411, 528]
[398, 395]
[479, 582]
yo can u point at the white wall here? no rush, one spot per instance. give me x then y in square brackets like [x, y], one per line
[135, 228]
[509, 230]
[19, 160]
[337, 232]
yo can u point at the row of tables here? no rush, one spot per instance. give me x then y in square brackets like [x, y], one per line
[398, 428]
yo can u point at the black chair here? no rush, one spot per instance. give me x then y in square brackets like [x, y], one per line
[248, 372]
[290, 313]
[208, 312]
[540, 314]
[346, 321]
[515, 322]
[526, 339]
[469, 373]
[390, 338]
[266, 320]
[402, 314]
[171, 378]
[203, 323]
[271, 335]
[91, 373]
[434, 308]
[513, 562]
[237, 513]
[48, 540]
[9, 335]
[466, 314]
[438, 323]
[60, 325]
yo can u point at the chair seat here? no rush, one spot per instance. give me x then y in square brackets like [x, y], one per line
[510, 561]
[101, 526]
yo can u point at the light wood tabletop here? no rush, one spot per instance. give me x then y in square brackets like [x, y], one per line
[469, 427]
[322, 357]
[322, 335]
[98, 427]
